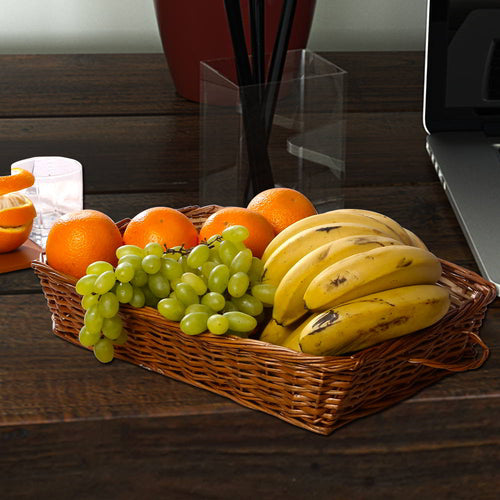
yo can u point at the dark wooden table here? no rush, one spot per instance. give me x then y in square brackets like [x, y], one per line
[72, 428]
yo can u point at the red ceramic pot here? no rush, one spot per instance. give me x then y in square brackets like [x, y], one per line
[196, 30]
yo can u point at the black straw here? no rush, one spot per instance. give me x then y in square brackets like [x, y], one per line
[261, 176]
[278, 62]
[257, 26]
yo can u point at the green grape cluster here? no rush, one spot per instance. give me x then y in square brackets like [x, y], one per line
[102, 326]
[213, 287]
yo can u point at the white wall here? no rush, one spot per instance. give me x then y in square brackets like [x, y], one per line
[90, 26]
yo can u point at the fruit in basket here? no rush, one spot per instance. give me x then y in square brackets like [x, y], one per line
[163, 225]
[282, 207]
[289, 299]
[259, 228]
[371, 271]
[377, 221]
[16, 210]
[373, 318]
[214, 286]
[304, 242]
[80, 238]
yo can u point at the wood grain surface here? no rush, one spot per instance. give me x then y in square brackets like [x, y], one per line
[72, 428]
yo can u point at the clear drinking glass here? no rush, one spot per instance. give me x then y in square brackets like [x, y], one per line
[306, 146]
[58, 190]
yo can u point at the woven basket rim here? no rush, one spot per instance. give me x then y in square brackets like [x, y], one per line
[354, 359]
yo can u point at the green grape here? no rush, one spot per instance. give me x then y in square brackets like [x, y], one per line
[138, 298]
[255, 271]
[248, 304]
[140, 278]
[238, 284]
[227, 252]
[171, 309]
[153, 248]
[99, 267]
[196, 283]
[218, 278]
[198, 255]
[85, 284]
[104, 282]
[229, 306]
[159, 286]
[93, 320]
[121, 339]
[194, 323]
[236, 233]
[207, 267]
[172, 294]
[150, 299]
[240, 246]
[104, 350]
[86, 338]
[170, 269]
[129, 250]
[242, 261]
[108, 305]
[217, 324]
[186, 294]
[176, 252]
[214, 300]
[175, 282]
[134, 260]
[214, 256]
[151, 264]
[112, 327]
[124, 292]
[264, 292]
[240, 322]
[198, 308]
[89, 300]
[214, 240]
[124, 272]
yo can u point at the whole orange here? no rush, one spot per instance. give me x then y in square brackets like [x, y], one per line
[282, 206]
[261, 231]
[79, 238]
[163, 225]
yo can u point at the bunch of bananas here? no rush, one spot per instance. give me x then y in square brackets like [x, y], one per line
[348, 279]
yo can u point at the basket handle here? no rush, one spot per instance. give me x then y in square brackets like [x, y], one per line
[474, 340]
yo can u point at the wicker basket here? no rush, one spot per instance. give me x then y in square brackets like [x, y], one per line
[318, 393]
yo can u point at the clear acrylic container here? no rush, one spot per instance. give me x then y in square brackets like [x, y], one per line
[306, 147]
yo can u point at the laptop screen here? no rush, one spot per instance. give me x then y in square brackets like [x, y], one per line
[462, 87]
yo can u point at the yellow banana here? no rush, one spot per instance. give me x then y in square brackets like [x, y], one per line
[292, 341]
[293, 249]
[415, 240]
[372, 271]
[289, 297]
[274, 333]
[365, 217]
[372, 319]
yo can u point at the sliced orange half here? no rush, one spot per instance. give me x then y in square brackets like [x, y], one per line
[16, 210]
[13, 237]
[19, 179]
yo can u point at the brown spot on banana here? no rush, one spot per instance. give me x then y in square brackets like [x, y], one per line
[327, 229]
[326, 320]
[337, 281]
[404, 262]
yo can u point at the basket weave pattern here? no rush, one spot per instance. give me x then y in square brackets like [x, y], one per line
[318, 393]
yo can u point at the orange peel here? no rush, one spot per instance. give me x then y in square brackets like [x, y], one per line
[19, 179]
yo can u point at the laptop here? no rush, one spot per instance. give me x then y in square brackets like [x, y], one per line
[462, 118]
